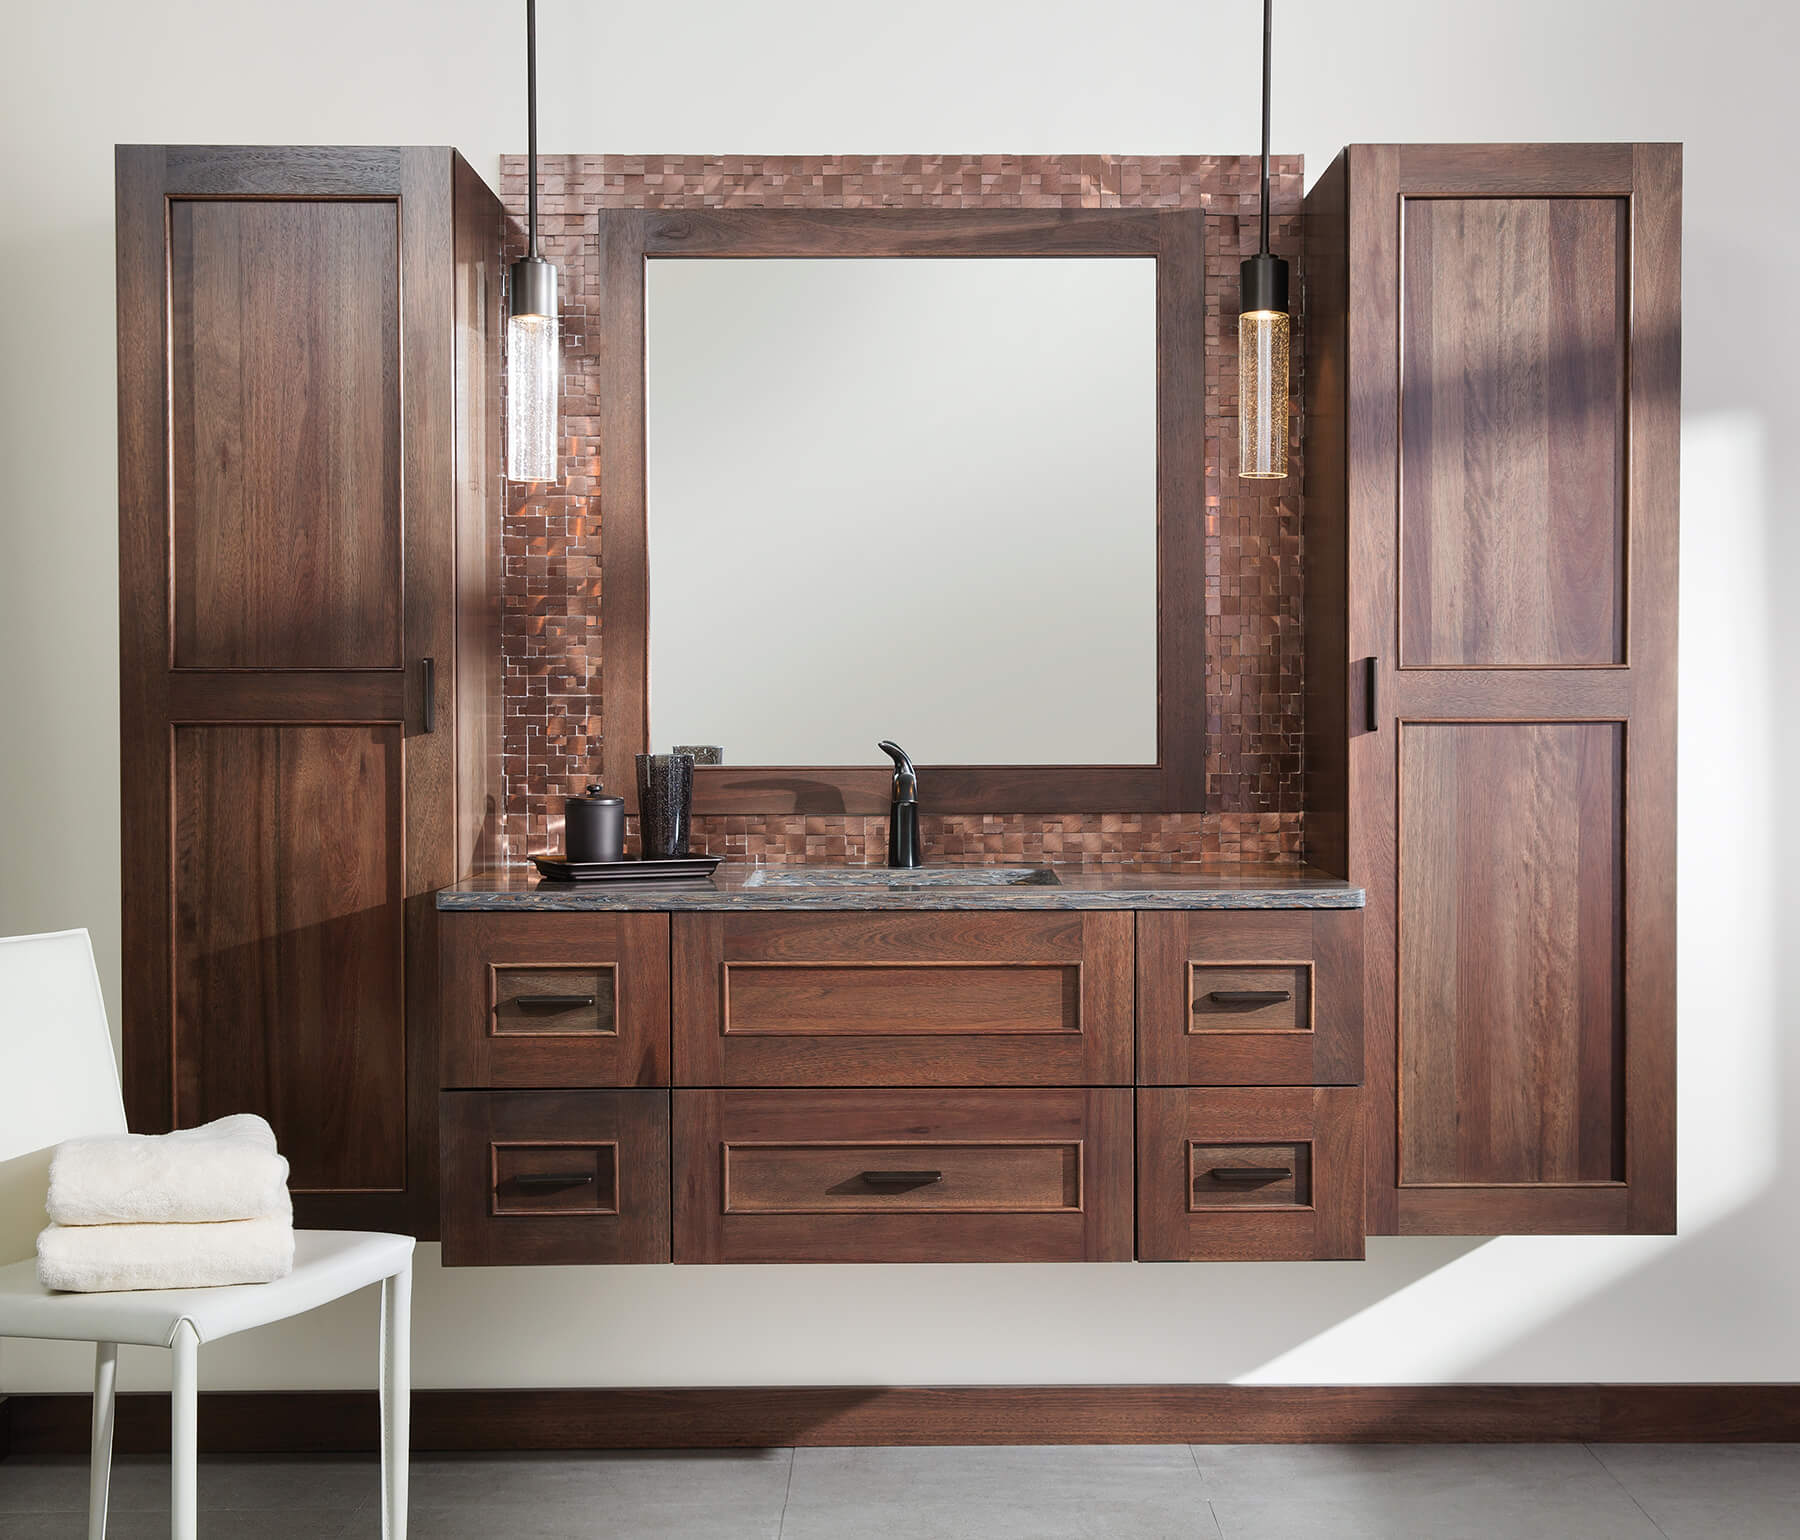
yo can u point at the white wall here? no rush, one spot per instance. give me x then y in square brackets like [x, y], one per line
[1719, 1301]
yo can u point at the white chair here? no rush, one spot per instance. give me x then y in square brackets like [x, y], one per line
[58, 1081]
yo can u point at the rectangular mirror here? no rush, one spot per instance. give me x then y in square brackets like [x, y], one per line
[935, 475]
[903, 498]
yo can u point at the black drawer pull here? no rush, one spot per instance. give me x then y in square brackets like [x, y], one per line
[542, 1179]
[1250, 996]
[552, 1002]
[901, 1179]
[1248, 1176]
[1372, 697]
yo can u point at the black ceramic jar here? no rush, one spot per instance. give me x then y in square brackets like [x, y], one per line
[594, 826]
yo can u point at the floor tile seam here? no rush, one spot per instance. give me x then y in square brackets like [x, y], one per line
[1618, 1481]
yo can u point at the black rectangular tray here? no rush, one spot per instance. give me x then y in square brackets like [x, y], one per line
[657, 869]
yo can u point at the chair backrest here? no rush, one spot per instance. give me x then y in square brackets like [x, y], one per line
[58, 1077]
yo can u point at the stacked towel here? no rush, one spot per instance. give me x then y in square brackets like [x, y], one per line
[192, 1209]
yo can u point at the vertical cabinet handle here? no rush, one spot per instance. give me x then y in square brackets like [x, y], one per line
[430, 672]
[1371, 700]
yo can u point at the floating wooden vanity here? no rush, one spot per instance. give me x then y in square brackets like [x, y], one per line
[1109, 1067]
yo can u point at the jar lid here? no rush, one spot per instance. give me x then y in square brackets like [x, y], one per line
[597, 793]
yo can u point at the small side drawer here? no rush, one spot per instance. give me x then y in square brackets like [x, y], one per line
[1250, 1174]
[554, 1176]
[903, 1176]
[967, 999]
[554, 999]
[1250, 997]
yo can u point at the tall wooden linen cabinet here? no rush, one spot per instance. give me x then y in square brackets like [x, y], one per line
[309, 485]
[1492, 392]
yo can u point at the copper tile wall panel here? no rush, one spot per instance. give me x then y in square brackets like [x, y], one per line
[552, 588]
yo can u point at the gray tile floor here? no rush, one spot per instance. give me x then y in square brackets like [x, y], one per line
[1225, 1492]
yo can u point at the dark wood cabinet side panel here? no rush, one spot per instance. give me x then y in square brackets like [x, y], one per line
[1324, 553]
[285, 416]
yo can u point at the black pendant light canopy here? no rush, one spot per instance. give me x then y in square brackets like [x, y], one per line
[1263, 327]
[533, 342]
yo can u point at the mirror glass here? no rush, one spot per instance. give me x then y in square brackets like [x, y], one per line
[903, 498]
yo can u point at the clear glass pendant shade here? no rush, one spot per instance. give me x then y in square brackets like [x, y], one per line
[533, 370]
[1263, 393]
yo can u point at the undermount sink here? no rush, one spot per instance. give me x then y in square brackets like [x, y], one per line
[889, 878]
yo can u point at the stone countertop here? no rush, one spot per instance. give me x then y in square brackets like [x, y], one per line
[801, 889]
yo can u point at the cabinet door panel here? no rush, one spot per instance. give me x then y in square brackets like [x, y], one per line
[290, 944]
[1512, 431]
[1511, 1021]
[1494, 347]
[285, 409]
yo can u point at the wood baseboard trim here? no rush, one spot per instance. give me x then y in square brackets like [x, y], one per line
[261, 1422]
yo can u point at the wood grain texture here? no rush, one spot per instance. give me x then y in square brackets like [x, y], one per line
[1175, 238]
[902, 999]
[289, 325]
[1511, 1020]
[289, 944]
[1512, 431]
[1328, 683]
[285, 410]
[492, 1138]
[1182, 1039]
[488, 959]
[785, 1416]
[913, 1127]
[1185, 1216]
[1543, 409]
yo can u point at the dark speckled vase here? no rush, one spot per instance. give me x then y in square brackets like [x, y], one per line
[665, 802]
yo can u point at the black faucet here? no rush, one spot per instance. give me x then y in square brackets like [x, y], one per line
[903, 813]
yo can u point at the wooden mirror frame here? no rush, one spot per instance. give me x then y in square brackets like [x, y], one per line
[1175, 238]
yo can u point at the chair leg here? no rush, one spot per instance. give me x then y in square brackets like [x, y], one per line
[184, 1436]
[396, 1400]
[106, 1376]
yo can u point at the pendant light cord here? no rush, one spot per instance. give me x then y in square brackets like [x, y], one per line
[1268, 18]
[531, 129]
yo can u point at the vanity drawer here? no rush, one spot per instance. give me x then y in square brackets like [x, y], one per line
[555, 999]
[554, 1176]
[903, 1176]
[1250, 1174]
[1250, 997]
[880, 998]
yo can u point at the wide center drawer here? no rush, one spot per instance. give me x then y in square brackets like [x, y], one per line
[902, 999]
[903, 1176]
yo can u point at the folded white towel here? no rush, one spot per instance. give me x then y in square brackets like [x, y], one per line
[91, 1259]
[222, 1170]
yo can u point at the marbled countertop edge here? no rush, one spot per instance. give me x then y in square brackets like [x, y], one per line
[736, 887]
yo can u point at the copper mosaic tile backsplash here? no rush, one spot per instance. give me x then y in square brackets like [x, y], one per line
[552, 588]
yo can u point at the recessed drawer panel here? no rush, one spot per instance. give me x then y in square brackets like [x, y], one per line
[1249, 1173]
[534, 1002]
[1270, 998]
[554, 1000]
[829, 1178]
[1249, 997]
[554, 1176]
[902, 999]
[903, 1176]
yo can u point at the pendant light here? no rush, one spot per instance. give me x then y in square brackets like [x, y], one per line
[1263, 332]
[533, 346]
